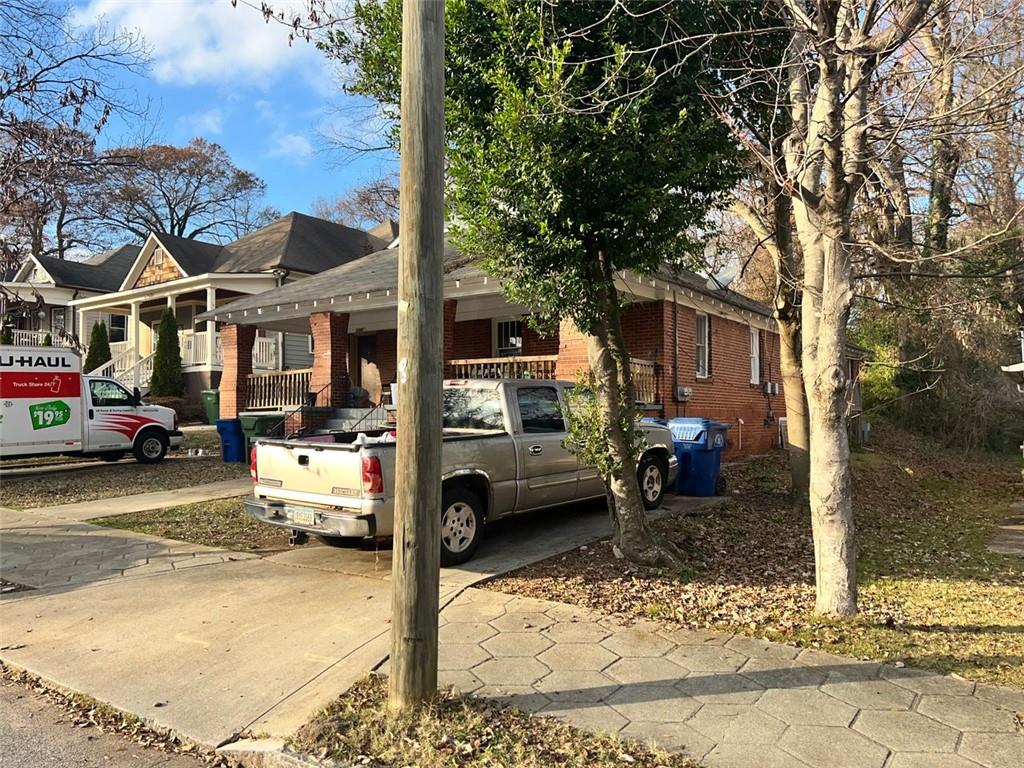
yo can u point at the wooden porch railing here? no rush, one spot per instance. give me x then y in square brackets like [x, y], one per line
[278, 389]
[526, 367]
[645, 380]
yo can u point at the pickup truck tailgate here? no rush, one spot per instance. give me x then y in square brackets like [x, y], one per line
[326, 474]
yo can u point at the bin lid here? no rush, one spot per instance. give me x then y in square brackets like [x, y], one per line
[688, 429]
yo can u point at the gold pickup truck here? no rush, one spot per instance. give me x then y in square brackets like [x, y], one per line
[502, 454]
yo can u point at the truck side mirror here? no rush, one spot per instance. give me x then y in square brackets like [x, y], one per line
[137, 394]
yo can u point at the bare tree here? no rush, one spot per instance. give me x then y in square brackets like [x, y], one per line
[362, 206]
[57, 91]
[194, 191]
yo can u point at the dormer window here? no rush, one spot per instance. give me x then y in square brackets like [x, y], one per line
[158, 257]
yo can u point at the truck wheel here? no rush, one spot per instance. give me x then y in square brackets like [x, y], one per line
[462, 525]
[112, 456]
[652, 476]
[150, 447]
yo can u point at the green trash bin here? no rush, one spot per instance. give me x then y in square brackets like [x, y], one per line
[211, 404]
[256, 425]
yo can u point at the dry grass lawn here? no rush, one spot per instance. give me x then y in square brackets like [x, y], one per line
[931, 594]
[460, 732]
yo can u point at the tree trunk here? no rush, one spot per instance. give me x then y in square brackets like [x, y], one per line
[797, 427]
[613, 386]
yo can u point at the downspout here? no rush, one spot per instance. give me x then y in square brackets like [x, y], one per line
[675, 348]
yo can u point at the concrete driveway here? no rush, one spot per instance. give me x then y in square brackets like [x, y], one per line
[212, 643]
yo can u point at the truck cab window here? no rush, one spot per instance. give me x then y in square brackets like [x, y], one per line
[540, 410]
[472, 409]
[107, 393]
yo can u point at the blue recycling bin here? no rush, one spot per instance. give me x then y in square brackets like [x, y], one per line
[232, 440]
[699, 444]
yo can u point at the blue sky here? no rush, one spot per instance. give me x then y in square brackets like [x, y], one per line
[224, 74]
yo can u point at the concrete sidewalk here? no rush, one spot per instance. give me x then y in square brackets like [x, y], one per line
[728, 701]
[144, 502]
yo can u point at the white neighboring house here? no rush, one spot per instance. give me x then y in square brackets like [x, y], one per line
[46, 286]
[191, 277]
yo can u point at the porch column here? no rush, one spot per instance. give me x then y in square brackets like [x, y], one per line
[450, 308]
[172, 302]
[236, 341]
[211, 327]
[80, 330]
[330, 357]
[135, 326]
[572, 352]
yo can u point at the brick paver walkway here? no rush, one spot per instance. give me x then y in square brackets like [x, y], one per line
[41, 551]
[728, 701]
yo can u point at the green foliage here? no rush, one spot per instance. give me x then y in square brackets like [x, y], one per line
[542, 178]
[47, 340]
[99, 347]
[6, 335]
[587, 428]
[167, 379]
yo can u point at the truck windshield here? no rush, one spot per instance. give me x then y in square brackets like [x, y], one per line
[472, 409]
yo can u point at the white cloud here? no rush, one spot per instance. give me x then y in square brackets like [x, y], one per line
[207, 123]
[204, 42]
[293, 146]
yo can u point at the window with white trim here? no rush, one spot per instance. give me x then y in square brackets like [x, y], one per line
[703, 345]
[508, 338]
[158, 257]
[755, 356]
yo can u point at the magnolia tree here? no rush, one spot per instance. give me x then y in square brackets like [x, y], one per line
[556, 201]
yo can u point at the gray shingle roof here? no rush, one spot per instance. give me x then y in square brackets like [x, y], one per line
[103, 272]
[194, 256]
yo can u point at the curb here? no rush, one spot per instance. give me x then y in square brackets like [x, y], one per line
[271, 753]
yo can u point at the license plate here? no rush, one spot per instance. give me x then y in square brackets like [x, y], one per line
[302, 516]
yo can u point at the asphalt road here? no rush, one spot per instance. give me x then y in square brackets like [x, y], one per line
[35, 733]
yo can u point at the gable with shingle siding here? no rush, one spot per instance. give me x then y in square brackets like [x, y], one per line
[160, 268]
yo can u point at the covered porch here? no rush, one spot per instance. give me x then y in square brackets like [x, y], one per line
[133, 319]
[351, 315]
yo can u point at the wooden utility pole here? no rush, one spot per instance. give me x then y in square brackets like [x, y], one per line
[417, 547]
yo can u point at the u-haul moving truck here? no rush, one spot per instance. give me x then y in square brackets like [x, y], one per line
[47, 406]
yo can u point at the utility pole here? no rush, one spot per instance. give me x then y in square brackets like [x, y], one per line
[417, 544]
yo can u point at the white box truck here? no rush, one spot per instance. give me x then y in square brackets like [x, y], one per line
[48, 407]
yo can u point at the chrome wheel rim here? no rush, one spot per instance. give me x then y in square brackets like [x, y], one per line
[151, 447]
[458, 527]
[651, 482]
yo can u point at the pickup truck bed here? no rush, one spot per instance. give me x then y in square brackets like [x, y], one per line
[502, 453]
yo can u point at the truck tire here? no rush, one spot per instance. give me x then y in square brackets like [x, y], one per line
[151, 446]
[653, 477]
[462, 525]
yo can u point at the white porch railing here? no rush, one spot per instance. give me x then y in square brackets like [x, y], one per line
[277, 390]
[195, 351]
[23, 338]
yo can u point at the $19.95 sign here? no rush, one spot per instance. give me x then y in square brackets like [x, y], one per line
[52, 414]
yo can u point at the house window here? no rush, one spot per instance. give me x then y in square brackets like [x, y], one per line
[158, 257]
[58, 318]
[508, 338]
[703, 346]
[755, 356]
[117, 328]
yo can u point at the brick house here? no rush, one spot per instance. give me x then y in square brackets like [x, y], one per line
[696, 349]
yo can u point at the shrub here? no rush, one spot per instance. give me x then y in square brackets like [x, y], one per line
[167, 380]
[99, 348]
[6, 335]
[47, 340]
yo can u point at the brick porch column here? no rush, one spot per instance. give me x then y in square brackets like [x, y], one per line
[330, 358]
[450, 308]
[236, 341]
[572, 352]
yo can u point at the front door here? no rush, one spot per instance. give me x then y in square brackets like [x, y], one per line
[549, 470]
[111, 421]
[369, 369]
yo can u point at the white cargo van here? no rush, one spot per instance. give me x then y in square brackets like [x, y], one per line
[48, 407]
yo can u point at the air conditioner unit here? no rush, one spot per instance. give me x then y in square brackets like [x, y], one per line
[771, 388]
[683, 394]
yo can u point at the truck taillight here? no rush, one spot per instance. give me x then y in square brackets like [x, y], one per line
[252, 464]
[373, 479]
